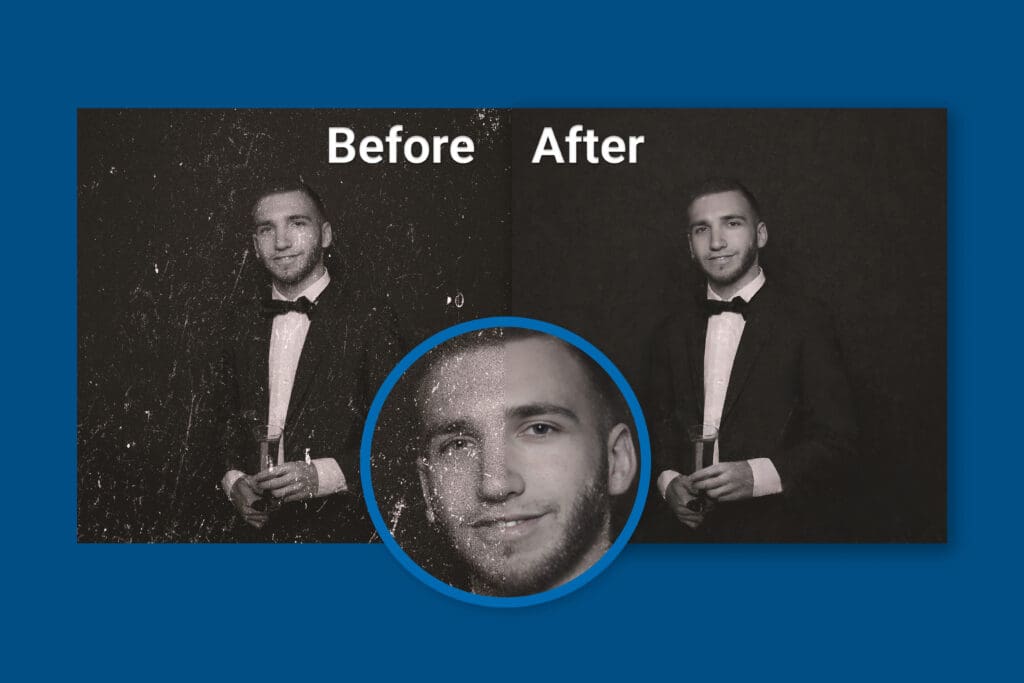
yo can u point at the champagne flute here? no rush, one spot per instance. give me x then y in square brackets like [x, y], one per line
[702, 444]
[268, 441]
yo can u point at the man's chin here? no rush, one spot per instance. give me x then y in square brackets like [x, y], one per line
[286, 277]
[524, 574]
[289, 278]
[723, 278]
[511, 581]
[732, 274]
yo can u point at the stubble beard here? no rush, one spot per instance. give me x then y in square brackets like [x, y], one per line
[747, 263]
[314, 258]
[587, 527]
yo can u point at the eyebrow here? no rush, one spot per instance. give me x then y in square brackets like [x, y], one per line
[727, 217]
[534, 409]
[526, 411]
[449, 428]
[293, 217]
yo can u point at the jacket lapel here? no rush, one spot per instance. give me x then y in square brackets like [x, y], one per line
[695, 350]
[318, 343]
[756, 332]
[258, 351]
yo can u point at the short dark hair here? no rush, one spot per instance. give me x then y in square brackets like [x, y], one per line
[719, 185]
[282, 185]
[612, 406]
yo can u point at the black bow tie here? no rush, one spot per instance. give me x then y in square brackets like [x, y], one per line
[272, 307]
[714, 307]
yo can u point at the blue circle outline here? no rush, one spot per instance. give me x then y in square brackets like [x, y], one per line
[639, 422]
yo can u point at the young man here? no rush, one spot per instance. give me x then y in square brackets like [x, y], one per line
[762, 366]
[526, 444]
[307, 358]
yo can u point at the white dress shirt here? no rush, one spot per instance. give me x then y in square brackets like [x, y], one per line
[287, 337]
[720, 345]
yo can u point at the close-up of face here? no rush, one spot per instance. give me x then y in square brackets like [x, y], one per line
[725, 234]
[290, 236]
[520, 463]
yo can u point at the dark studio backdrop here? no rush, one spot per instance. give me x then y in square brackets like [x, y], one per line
[854, 201]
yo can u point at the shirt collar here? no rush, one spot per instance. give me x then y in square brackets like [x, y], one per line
[311, 292]
[748, 292]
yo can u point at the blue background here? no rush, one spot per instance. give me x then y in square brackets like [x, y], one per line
[834, 612]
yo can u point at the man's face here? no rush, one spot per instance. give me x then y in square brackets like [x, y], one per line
[724, 238]
[516, 468]
[290, 236]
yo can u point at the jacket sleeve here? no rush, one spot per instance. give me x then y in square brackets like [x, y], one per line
[381, 349]
[820, 445]
[666, 406]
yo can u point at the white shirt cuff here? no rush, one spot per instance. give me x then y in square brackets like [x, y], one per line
[766, 477]
[229, 480]
[330, 478]
[666, 478]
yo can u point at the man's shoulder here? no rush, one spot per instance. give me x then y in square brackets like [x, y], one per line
[683, 313]
[357, 313]
[800, 311]
[244, 313]
[356, 303]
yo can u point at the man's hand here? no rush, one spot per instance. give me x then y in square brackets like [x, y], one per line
[289, 482]
[678, 493]
[725, 481]
[244, 492]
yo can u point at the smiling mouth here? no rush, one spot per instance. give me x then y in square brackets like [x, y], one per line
[507, 527]
[289, 257]
[504, 522]
[722, 257]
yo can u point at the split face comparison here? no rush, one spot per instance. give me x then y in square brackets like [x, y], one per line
[520, 463]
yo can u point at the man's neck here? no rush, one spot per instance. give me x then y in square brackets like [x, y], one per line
[291, 291]
[727, 292]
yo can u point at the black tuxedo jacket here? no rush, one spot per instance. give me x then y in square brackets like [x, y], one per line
[788, 399]
[351, 346]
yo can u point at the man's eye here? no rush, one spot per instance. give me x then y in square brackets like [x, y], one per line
[735, 223]
[455, 446]
[540, 429]
[263, 230]
[699, 229]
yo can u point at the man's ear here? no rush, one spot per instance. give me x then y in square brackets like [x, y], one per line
[423, 469]
[622, 460]
[762, 235]
[689, 244]
[326, 235]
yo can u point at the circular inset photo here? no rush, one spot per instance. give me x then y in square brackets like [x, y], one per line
[508, 461]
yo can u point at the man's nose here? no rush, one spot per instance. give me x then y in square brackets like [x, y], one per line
[282, 237]
[500, 478]
[717, 238]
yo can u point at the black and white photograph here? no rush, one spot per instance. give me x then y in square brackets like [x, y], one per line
[836, 375]
[505, 462]
[771, 282]
[241, 299]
